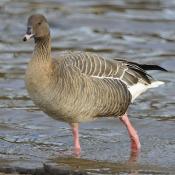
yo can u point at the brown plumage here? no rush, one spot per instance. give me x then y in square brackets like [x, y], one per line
[79, 86]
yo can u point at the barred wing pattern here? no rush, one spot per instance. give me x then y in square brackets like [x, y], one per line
[98, 67]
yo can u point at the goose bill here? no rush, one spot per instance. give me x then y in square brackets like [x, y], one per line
[27, 37]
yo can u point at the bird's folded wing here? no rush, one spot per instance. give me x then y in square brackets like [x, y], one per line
[98, 67]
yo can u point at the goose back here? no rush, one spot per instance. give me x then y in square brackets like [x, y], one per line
[97, 66]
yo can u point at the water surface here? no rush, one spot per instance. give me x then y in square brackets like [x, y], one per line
[137, 30]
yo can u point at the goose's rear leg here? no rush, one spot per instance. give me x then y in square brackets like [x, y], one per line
[135, 142]
[75, 133]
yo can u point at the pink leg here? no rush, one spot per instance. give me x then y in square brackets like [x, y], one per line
[135, 143]
[77, 148]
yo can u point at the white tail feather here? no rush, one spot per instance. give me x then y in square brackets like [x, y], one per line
[139, 88]
[155, 84]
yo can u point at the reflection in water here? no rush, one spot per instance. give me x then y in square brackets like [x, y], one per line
[134, 156]
[139, 30]
[104, 167]
[98, 166]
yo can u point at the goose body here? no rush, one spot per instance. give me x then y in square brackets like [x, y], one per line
[67, 93]
[81, 86]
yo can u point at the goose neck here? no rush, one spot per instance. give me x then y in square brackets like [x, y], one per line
[42, 51]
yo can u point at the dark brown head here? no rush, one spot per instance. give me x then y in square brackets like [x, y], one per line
[37, 27]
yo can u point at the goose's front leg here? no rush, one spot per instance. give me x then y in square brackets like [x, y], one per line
[77, 147]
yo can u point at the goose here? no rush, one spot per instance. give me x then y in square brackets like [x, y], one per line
[82, 86]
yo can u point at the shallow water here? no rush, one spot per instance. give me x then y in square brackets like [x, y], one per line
[138, 30]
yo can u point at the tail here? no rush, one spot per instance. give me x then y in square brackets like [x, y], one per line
[139, 71]
[139, 88]
[155, 84]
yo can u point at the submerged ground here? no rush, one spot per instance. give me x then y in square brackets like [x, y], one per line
[137, 30]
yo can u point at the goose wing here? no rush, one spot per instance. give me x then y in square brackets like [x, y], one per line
[98, 67]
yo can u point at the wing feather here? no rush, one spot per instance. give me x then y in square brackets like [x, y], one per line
[98, 67]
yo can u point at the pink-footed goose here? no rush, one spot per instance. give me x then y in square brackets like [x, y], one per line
[81, 86]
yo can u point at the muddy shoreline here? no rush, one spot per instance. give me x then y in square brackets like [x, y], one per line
[78, 166]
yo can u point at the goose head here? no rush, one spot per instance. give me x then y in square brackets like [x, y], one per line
[37, 27]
